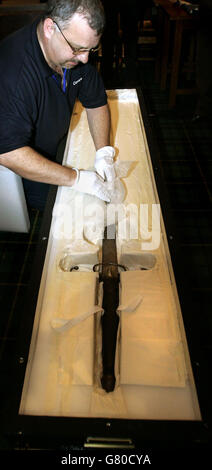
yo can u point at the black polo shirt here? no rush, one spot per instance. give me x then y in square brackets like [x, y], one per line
[34, 110]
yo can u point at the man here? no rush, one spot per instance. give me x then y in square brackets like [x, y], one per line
[44, 68]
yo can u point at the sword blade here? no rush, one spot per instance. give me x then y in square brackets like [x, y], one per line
[110, 319]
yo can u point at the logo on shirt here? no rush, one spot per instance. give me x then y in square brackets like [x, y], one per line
[77, 81]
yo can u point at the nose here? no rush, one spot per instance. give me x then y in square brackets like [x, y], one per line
[83, 57]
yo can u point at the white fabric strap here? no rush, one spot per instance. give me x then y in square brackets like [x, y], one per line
[60, 325]
[132, 305]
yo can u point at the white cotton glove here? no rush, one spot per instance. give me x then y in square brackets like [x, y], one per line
[90, 183]
[104, 163]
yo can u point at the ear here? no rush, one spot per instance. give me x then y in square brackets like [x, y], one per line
[48, 28]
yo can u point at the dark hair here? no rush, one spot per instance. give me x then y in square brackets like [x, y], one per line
[62, 11]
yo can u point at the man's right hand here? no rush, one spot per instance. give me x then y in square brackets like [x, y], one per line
[90, 182]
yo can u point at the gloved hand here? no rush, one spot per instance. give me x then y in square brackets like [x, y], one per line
[104, 164]
[91, 183]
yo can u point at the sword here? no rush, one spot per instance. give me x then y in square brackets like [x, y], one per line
[110, 277]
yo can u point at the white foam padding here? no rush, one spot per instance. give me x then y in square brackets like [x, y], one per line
[151, 350]
[62, 359]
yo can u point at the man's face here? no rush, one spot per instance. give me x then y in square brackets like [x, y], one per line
[66, 43]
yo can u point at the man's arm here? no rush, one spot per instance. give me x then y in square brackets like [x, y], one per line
[99, 125]
[29, 164]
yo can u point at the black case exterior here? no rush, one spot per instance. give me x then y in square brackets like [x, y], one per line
[68, 434]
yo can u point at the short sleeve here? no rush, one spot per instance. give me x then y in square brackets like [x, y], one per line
[15, 124]
[92, 92]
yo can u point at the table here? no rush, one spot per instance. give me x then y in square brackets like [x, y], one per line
[171, 15]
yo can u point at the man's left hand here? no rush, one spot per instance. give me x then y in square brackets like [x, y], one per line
[104, 163]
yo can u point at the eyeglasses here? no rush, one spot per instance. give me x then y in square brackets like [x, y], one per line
[76, 50]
